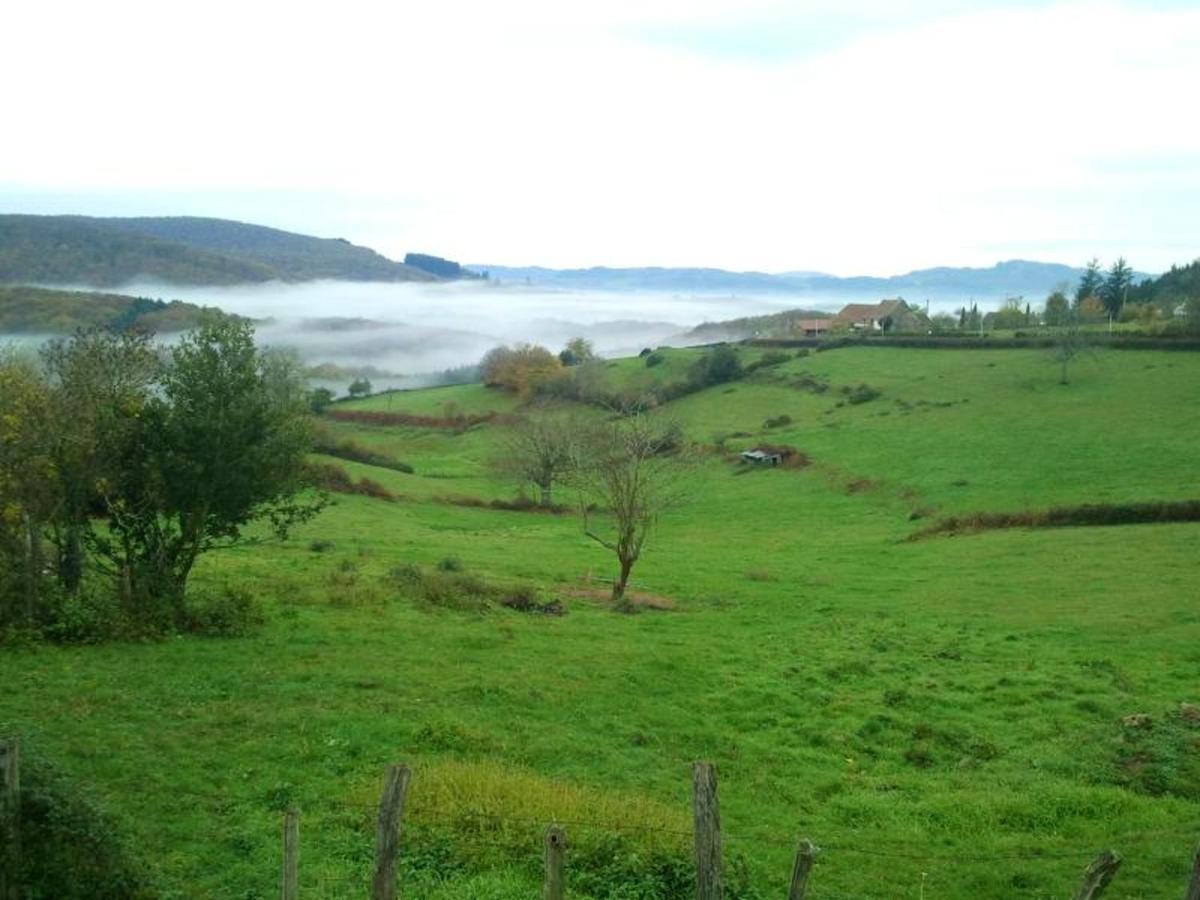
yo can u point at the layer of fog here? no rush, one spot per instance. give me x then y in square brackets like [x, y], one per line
[425, 328]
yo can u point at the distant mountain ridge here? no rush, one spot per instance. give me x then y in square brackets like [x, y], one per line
[1012, 277]
[106, 252]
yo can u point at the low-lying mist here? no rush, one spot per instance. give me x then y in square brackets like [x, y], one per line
[419, 329]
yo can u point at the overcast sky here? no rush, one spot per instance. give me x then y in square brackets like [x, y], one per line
[847, 136]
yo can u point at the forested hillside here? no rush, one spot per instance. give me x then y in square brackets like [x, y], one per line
[1180, 284]
[30, 310]
[292, 257]
[70, 250]
[178, 250]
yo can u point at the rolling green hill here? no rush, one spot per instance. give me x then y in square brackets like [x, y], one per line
[30, 310]
[974, 716]
[106, 252]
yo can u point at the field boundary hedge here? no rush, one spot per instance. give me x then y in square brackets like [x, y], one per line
[388, 419]
[1039, 342]
[1088, 514]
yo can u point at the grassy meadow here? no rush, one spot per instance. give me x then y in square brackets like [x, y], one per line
[943, 717]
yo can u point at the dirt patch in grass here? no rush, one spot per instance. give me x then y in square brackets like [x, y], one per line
[639, 600]
[861, 486]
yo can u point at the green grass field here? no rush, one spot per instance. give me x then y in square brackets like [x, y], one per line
[943, 717]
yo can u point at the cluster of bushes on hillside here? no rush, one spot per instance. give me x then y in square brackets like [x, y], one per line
[331, 477]
[718, 365]
[31, 310]
[121, 466]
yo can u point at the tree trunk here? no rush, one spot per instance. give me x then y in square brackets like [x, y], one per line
[33, 567]
[70, 559]
[618, 593]
[545, 489]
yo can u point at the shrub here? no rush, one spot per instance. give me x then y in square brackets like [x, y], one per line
[88, 616]
[718, 366]
[524, 598]
[230, 612]
[654, 359]
[778, 421]
[71, 849]
[320, 545]
[767, 360]
[450, 564]
[861, 393]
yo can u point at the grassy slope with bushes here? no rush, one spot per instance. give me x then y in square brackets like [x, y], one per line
[947, 699]
[31, 310]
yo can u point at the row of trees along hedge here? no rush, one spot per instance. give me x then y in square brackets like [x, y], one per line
[121, 464]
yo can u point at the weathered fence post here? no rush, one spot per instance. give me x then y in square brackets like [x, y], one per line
[554, 887]
[10, 817]
[707, 816]
[805, 854]
[291, 854]
[1193, 891]
[387, 832]
[1098, 875]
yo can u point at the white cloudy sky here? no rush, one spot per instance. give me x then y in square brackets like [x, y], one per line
[852, 136]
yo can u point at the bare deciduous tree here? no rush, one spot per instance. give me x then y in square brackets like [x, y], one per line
[633, 469]
[540, 449]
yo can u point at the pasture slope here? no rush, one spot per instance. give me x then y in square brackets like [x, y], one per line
[944, 717]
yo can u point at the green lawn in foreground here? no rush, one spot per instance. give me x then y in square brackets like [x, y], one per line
[948, 699]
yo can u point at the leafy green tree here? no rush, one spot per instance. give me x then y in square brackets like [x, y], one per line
[360, 387]
[1115, 287]
[1058, 309]
[100, 383]
[577, 352]
[222, 446]
[319, 399]
[1090, 282]
[28, 489]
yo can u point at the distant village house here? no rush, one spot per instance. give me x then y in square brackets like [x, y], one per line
[882, 317]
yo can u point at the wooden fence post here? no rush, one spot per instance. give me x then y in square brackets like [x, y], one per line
[554, 887]
[805, 854]
[291, 854]
[1193, 891]
[10, 817]
[707, 816]
[387, 832]
[1098, 875]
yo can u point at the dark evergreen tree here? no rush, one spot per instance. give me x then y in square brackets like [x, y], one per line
[1115, 287]
[1090, 282]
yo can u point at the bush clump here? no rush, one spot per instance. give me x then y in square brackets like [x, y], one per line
[654, 359]
[70, 848]
[778, 421]
[860, 393]
[229, 612]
